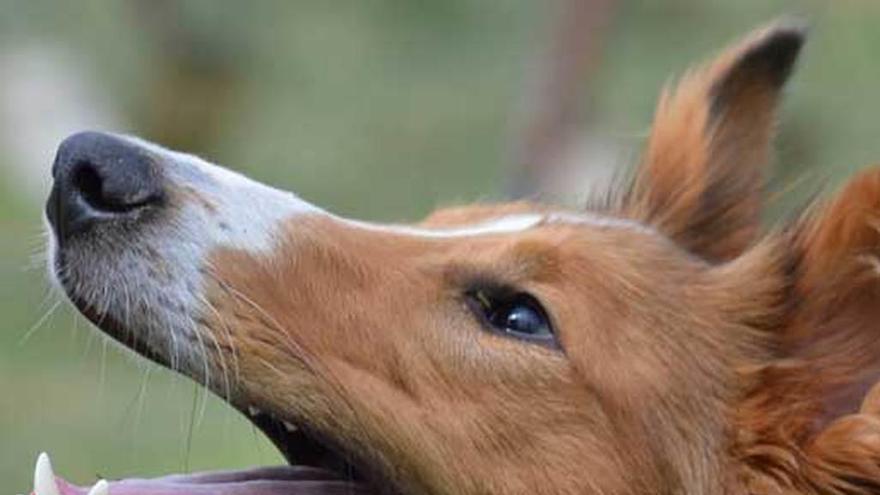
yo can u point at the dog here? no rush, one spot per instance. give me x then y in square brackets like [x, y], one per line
[657, 341]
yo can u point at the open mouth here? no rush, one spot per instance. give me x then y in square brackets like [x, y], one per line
[313, 469]
[286, 480]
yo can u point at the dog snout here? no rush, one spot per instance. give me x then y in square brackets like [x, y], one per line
[100, 177]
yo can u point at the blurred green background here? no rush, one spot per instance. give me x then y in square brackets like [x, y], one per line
[376, 109]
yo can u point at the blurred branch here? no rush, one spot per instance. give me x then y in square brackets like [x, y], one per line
[553, 109]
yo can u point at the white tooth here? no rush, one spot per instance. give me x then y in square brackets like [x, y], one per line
[100, 488]
[253, 411]
[289, 426]
[44, 478]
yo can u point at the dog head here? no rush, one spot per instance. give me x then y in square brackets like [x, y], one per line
[655, 342]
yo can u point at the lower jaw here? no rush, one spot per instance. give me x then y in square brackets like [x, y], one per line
[324, 473]
[280, 480]
[314, 469]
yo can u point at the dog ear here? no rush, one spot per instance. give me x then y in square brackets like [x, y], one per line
[811, 397]
[701, 177]
[835, 322]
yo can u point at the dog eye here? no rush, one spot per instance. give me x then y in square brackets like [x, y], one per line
[516, 315]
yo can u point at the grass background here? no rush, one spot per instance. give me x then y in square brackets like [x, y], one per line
[379, 110]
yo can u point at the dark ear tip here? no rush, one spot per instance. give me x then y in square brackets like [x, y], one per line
[793, 26]
[786, 36]
[775, 50]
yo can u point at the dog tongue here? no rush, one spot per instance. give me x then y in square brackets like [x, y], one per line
[281, 480]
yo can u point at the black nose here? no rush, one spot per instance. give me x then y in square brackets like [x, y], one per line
[100, 177]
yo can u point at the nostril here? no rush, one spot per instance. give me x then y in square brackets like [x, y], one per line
[87, 181]
[98, 191]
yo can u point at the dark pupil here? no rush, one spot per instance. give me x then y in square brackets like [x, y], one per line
[523, 319]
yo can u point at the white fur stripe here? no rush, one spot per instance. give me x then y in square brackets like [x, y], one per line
[594, 220]
[504, 225]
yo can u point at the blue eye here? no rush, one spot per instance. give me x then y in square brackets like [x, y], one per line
[523, 319]
[516, 315]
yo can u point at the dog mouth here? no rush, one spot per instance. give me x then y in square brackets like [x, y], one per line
[276, 480]
[316, 464]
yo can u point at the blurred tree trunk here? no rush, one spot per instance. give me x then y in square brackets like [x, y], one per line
[195, 85]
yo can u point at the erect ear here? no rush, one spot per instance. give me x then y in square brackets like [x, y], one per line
[700, 181]
[811, 394]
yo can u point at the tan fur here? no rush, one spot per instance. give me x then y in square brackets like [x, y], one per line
[697, 356]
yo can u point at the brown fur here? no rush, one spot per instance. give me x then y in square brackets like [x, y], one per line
[697, 356]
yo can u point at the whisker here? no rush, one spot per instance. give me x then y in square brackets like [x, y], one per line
[141, 400]
[230, 342]
[293, 346]
[191, 428]
[297, 351]
[102, 373]
[223, 366]
[207, 373]
[90, 339]
[39, 323]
